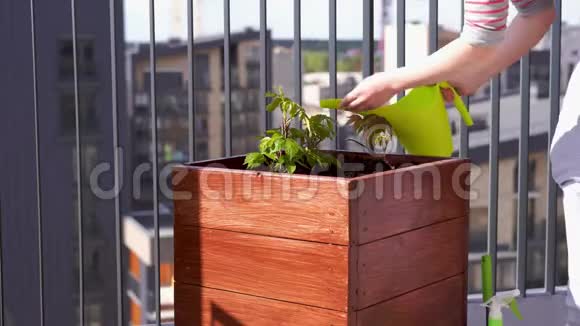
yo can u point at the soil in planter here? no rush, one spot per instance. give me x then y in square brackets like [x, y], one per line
[354, 169]
[351, 164]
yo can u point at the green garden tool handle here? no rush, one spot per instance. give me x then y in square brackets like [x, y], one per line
[486, 274]
[334, 103]
[330, 103]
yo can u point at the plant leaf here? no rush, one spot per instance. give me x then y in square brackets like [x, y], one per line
[254, 160]
[273, 105]
[279, 144]
[271, 132]
[292, 149]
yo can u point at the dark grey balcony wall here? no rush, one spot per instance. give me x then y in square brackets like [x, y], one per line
[17, 166]
[56, 133]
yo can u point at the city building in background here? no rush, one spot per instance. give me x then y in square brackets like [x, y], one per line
[172, 80]
[139, 240]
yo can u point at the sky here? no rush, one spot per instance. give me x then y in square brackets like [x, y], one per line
[171, 17]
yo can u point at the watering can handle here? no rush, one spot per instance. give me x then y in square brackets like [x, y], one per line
[458, 102]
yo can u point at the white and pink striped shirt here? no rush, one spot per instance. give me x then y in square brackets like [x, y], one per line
[486, 20]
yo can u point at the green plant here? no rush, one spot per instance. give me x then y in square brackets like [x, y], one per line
[287, 148]
[375, 131]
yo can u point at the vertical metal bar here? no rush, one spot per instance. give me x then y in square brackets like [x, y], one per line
[1, 270]
[227, 80]
[332, 64]
[368, 38]
[401, 53]
[401, 42]
[155, 158]
[493, 177]
[37, 163]
[552, 209]
[190, 85]
[434, 30]
[297, 57]
[522, 232]
[433, 25]
[79, 164]
[264, 62]
[463, 132]
[297, 53]
[116, 161]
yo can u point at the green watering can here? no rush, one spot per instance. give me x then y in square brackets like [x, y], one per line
[419, 120]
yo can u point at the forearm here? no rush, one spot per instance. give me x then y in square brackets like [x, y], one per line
[480, 62]
[524, 33]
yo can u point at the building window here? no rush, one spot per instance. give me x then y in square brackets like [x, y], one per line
[512, 77]
[166, 274]
[201, 126]
[253, 70]
[478, 229]
[202, 150]
[531, 176]
[201, 102]
[166, 81]
[534, 229]
[134, 265]
[201, 77]
[479, 123]
[85, 58]
[89, 119]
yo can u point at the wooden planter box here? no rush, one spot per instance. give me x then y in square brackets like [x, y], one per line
[259, 248]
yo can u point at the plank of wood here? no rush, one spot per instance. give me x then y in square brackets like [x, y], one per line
[297, 207]
[203, 306]
[303, 272]
[401, 200]
[440, 304]
[403, 263]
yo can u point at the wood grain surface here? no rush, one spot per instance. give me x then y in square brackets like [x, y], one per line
[290, 270]
[440, 304]
[297, 207]
[260, 248]
[397, 201]
[396, 265]
[210, 307]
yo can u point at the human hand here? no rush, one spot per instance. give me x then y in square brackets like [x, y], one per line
[379, 88]
[376, 90]
[465, 85]
[370, 93]
[448, 95]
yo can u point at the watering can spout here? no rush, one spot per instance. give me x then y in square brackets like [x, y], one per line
[419, 120]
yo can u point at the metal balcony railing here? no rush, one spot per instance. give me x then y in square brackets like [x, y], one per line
[368, 47]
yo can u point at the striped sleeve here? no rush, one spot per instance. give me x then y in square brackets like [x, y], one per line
[486, 20]
[530, 7]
